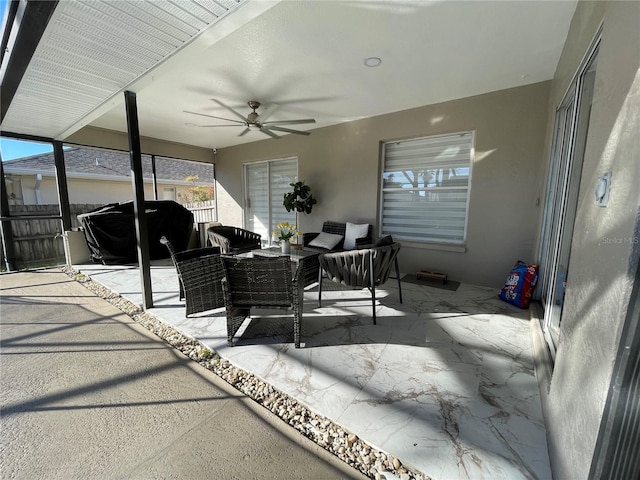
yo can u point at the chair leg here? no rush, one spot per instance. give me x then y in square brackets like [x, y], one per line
[235, 318]
[319, 287]
[373, 303]
[399, 282]
[372, 282]
[297, 320]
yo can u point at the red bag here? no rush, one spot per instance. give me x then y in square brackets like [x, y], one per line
[520, 285]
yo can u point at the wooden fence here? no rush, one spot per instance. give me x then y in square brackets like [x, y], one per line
[203, 212]
[39, 242]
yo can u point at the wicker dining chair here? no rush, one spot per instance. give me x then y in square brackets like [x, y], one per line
[363, 268]
[199, 277]
[261, 282]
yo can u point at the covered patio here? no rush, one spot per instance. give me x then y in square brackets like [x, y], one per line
[546, 93]
[444, 382]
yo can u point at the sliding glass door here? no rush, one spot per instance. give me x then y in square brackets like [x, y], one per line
[265, 186]
[563, 185]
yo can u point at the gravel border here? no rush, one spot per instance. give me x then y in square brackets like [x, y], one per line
[345, 445]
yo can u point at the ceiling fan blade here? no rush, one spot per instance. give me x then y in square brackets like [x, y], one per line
[270, 110]
[288, 130]
[210, 126]
[244, 132]
[290, 122]
[241, 117]
[213, 116]
[266, 131]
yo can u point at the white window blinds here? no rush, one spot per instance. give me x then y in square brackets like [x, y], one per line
[282, 173]
[257, 203]
[266, 184]
[425, 188]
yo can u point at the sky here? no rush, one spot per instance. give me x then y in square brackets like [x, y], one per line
[10, 149]
[3, 7]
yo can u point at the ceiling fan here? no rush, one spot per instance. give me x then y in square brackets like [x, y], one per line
[256, 121]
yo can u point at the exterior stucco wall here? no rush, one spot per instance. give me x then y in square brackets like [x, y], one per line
[86, 191]
[604, 251]
[342, 165]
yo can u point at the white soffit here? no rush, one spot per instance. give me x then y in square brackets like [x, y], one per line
[92, 50]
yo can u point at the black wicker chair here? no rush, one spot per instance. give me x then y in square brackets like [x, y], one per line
[261, 282]
[368, 267]
[199, 277]
[233, 240]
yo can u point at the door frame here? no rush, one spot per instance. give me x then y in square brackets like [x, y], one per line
[563, 182]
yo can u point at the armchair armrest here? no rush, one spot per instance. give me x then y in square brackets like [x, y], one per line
[218, 240]
[247, 235]
[364, 242]
[308, 237]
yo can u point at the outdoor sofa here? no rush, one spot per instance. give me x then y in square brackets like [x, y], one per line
[338, 236]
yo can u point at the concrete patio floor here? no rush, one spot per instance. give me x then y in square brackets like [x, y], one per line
[86, 392]
[445, 381]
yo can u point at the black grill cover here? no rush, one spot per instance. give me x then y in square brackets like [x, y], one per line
[111, 235]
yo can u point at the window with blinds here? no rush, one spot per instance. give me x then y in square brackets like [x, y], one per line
[425, 188]
[265, 186]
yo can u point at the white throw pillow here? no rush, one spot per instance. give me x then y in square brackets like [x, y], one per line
[326, 240]
[353, 232]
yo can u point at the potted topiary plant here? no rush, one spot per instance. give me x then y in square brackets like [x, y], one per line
[300, 199]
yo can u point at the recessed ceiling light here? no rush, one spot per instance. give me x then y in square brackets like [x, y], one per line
[372, 61]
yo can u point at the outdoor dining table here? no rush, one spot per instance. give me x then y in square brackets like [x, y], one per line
[309, 260]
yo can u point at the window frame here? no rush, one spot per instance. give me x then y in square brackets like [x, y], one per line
[457, 245]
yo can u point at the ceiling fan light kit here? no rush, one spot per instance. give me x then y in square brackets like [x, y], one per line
[256, 121]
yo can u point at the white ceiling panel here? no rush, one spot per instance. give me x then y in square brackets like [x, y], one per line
[91, 50]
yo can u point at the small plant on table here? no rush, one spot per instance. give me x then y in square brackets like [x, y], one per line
[284, 232]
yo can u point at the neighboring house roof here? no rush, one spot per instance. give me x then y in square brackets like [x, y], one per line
[93, 163]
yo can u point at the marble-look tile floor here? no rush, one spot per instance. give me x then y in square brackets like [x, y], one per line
[445, 381]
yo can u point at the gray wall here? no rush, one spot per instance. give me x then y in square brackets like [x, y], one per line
[342, 164]
[99, 137]
[604, 252]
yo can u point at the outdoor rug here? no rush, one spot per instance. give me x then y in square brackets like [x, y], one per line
[427, 282]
